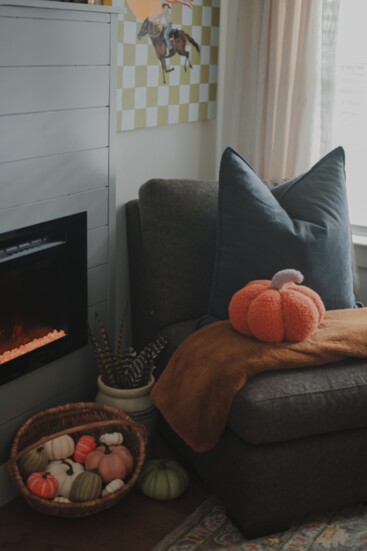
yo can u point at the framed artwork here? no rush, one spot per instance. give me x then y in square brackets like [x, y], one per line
[167, 62]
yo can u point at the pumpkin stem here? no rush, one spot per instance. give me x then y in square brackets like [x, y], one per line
[70, 470]
[162, 465]
[107, 450]
[285, 276]
[45, 475]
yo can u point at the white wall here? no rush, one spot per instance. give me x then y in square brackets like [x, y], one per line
[174, 151]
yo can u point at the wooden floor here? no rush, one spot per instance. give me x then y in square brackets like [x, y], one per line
[136, 523]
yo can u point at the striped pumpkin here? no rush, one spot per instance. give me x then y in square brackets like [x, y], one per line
[85, 487]
[84, 446]
[34, 461]
[43, 484]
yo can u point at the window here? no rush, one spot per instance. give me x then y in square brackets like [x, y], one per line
[350, 115]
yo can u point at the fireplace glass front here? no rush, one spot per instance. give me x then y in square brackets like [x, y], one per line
[43, 298]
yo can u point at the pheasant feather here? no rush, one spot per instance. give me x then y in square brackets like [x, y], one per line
[125, 368]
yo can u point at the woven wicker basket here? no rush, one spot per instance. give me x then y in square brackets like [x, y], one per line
[76, 419]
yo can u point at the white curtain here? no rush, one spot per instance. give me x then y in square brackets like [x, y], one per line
[270, 84]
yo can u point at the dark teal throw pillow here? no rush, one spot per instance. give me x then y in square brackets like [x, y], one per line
[301, 224]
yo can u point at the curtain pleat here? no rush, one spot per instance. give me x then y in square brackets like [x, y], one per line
[270, 106]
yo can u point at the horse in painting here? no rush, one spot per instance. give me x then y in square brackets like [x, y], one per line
[178, 38]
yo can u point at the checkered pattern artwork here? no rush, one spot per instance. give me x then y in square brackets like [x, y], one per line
[143, 99]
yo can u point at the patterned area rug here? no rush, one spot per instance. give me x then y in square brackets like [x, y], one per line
[208, 529]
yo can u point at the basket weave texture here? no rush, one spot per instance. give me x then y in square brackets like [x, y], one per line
[76, 419]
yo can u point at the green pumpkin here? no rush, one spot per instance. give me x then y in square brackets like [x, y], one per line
[85, 487]
[163, 479]
[34, 461]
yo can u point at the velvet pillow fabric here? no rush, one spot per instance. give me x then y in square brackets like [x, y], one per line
[301, 224]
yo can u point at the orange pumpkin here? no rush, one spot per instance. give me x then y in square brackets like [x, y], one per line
[43, 484]
[110, 462]
[277, 310]
[84, 446]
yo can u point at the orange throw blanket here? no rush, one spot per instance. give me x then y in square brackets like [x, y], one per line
[196, 390]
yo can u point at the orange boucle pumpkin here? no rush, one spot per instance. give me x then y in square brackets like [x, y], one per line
[277, 310]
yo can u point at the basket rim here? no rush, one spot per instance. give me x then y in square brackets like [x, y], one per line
[78, 428]
[57, 410]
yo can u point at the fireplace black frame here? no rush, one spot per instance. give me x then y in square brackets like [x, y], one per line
[69, 234]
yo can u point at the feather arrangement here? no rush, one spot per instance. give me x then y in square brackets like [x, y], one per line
[124, 368]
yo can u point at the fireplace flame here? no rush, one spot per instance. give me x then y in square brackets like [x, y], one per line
[17, 329]
[32, 345]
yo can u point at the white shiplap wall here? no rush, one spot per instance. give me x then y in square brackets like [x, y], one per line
[57, 126]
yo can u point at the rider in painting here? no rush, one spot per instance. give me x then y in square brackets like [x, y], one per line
[165, 20]
[166, 40]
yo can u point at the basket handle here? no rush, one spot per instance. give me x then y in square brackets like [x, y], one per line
[79, 428]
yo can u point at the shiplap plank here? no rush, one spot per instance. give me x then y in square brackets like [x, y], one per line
[33, 180]
[97, 284]
[102, 309]
[30, 89]
[94, 202]
[97, 246]
[40, 134]
[31, 42]
[57, 10]
[43, 383]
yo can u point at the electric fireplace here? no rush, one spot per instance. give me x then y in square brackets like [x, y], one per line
[43, 296]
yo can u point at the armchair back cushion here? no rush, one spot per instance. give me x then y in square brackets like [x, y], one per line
[178, 227]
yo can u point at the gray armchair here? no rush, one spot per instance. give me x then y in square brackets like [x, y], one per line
[296, 440]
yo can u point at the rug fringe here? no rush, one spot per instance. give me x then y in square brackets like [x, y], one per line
[191, 520]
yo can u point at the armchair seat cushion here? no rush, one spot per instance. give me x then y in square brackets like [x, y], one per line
[288, 404]
[283, 405]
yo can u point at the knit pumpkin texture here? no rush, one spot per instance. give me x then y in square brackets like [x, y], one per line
[276, 310]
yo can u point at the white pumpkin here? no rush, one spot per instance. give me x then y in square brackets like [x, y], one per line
[60, 499]
[60, 447]
[112, 438]
[65, 472]
[113, 486]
